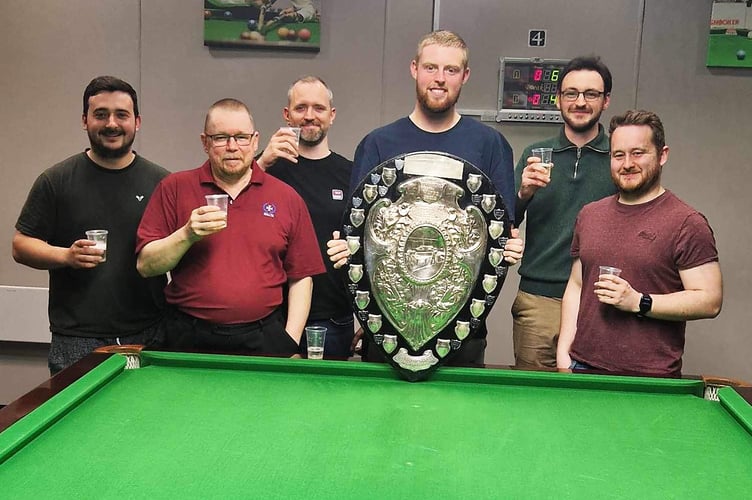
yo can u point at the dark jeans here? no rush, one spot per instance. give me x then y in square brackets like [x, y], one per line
[66, 349]
[339, 336]
[579, 365]
[182, 331]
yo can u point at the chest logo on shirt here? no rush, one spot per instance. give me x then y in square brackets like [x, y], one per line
[269, 209]
[648, 235]
[139, 197]
[338, 194]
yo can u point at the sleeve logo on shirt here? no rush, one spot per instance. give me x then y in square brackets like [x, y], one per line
[269, 209]
[338, 194]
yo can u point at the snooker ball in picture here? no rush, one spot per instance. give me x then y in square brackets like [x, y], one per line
[228, 14]
[253, 25]
[304, 34]
[282, 33]
[741, 55]
[292, 35]
[253, 36]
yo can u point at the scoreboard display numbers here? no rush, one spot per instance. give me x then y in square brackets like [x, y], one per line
[530, 84]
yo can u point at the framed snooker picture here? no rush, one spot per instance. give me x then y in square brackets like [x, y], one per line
[263, 24]
[730, 39]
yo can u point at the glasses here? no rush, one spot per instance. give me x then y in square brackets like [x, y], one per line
[589, 95]
[219, 140]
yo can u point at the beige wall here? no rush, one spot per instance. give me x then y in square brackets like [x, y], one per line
[51, 49]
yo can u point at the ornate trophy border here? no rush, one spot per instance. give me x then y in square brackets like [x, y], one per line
[381, 183]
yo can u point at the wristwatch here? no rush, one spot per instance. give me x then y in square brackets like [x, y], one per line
[646, 303]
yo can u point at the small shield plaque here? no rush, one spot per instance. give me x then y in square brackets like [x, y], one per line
[374, 322]
[370, 193]
[353, 244]
[495, 228]
[357, 216]
[389, 175]
[489, 282]
[355, 272]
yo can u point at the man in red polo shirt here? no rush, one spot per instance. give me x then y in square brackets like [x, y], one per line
[229, 268]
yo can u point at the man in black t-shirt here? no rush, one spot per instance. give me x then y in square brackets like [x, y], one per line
[321, 177]
[94, 301]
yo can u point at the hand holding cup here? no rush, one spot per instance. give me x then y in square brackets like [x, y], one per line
[614, 290]
[210, 218]
[99, 237]
[537, 172]
[546, 162]
[283, 144]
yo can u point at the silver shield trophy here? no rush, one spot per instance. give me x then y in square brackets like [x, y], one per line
[426, 262]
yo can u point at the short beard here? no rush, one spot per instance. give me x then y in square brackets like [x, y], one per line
[316, 140]
[433, 108]
[586, 127]
[642, 188]
[104, 152]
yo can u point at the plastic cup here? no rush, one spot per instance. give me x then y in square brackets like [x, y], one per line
[218, 200]
[99, 237]
[609, 270]
[315, 336]
[296, 131]
[545, 155]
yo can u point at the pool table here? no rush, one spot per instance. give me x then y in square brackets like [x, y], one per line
[218, 426]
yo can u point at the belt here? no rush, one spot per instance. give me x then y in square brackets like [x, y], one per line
[232, 328]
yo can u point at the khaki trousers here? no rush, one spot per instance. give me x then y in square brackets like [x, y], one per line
[535, 330]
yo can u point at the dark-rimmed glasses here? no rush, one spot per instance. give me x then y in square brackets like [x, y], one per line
[589, 95]
[221, 140]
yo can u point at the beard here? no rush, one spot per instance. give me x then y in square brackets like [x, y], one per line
[103, 151]
[581, 127]
[436, 107]
[313, 138]
[642, 187]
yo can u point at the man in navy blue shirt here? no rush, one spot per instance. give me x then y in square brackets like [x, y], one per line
[440, 70]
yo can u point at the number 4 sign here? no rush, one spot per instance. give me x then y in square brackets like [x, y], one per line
[536, 38]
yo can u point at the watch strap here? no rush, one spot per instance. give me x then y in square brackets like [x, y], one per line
[646, 304]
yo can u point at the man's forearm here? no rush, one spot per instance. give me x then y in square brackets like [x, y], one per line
[570, 309]
[36, 253]
[161, 256]
[298, 306]
[570, 305]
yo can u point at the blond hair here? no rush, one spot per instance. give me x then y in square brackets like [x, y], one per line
[444, 38]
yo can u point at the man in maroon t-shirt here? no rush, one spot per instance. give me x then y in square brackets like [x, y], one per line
[634, 321]
[230, 267]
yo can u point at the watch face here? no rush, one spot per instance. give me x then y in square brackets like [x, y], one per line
[646, 303]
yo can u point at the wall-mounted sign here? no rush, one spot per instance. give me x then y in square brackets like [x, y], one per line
[730, 40]
[536, 38]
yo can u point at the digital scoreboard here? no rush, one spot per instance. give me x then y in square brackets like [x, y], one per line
[528, 89]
